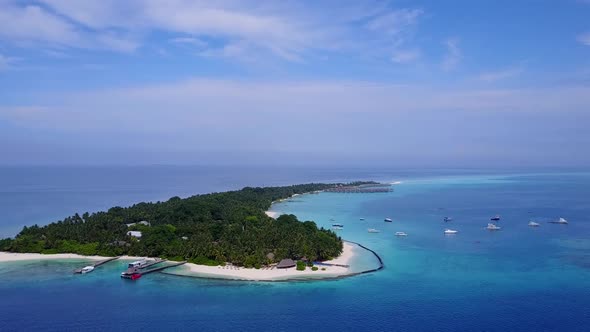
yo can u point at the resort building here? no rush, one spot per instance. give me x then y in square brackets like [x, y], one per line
[136, 234]
[286, 263]
[143, 222]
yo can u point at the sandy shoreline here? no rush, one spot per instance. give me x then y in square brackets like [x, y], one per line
[272, 214]
[273, 274]
[227, 272]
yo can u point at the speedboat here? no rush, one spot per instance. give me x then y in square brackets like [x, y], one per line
[495, 218]
[401, 234]
[87, 269]
[448, 219]
[388, 220]
[534, 224]
[362, 219]
[493, 227]
[450, 231]
[372, 230]
[337, 228]
[560, 221]
[131, 273]
[337, 225]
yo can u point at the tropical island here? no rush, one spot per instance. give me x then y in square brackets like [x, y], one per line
[211, 231]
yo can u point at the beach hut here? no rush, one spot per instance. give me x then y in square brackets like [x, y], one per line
[286, 263]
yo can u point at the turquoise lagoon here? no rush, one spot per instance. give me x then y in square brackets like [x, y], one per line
[516, 279]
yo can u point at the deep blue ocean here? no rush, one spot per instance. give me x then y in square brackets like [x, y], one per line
[517, 279]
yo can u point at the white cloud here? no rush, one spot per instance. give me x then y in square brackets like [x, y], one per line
[5, 62]
[500, 74]
[453, 56]
[584, 39]
[288, 30]
[395, 22]
[405, 56]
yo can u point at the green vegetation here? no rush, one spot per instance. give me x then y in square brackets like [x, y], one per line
[206, 229]
[314, 268]
[323, 269]
[300, 266]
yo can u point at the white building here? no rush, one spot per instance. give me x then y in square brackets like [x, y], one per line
[136, 234]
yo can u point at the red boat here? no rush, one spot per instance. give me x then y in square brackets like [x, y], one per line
[131, 273]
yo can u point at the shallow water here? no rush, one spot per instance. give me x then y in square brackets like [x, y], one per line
[516, 279]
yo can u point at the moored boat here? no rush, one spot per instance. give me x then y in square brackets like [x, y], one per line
[388, 220]
[493, 227]
[447, 219]
[401, 234]
[373, 230]
[132, 273]
[450, 231]
[534, 224]
[337, 225]
[495, 218]
[337, 228]
[87, 269]
[138, 264]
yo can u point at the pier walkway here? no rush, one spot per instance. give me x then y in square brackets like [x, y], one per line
[99, 263]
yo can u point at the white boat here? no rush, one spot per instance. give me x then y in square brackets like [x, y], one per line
[87, 269]
[362, 218]
[450, 231]
[401, 234]
[534, 224]
[337, 228]
[372, 230]
[560, 221]
[388, 220]
[493, 227]
[138, 264]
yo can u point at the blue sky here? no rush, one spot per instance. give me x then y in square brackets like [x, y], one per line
[431, 83]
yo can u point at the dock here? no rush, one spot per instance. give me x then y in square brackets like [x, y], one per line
[156, 261]
[160, 268]
[99, 263]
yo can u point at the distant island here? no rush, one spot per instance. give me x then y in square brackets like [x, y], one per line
[211, 229]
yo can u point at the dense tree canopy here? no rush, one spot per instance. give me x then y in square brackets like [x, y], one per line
[205, 229]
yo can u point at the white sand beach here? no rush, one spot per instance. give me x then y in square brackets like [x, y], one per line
[226, 272]
[272, 214]
[266, 274]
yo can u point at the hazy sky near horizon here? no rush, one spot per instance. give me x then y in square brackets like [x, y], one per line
[432, 83]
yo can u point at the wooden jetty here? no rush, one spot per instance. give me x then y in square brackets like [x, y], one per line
[156, 261]
[160, 268]
[99, 263]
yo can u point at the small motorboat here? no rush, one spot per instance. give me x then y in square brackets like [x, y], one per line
[492, 227]
[495, 218]
[87, 269]
[337, 228]
[372, 230]
[560, 221]
[450, 231]
[388, 220]
[447, 219]
[534, 224]
[401, 234]
[337, 225]
[361, 218]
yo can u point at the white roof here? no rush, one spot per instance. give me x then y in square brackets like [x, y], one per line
[134, 233]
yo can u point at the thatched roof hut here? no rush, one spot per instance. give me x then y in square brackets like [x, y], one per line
[286, 263]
